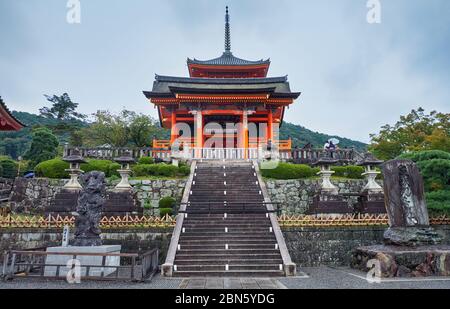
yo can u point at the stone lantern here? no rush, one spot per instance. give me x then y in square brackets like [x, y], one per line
[327, 199]
[325, 174]
[74, 159]
[369, 163]
[125, 161]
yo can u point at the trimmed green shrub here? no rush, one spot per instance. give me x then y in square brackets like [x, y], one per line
[289, 171]
[185, 170]
[146, 160]
[52, 169]
[167, 202]
[112, 170]
[436, 174]
[165, 211]
[417, 156]
[352, 172]
[167, 170]
[162, 169]
[96, 165]
[9, 168]
[144, 170]
[438, 202]
[1, 171]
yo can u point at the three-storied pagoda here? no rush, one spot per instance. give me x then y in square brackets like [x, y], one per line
[225, 90]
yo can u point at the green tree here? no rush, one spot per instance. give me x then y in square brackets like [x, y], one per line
[142, 129]
[76, 139]
[414, 132]
[62, 108]
[119, 130]
[44, 146]
[108, 128]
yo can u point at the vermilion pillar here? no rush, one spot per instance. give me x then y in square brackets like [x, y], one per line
[173, 132]
[270, 125]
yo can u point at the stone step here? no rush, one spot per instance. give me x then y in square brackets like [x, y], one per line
[222, 242]
[204, 251]
[220, 246]
[231, 226]
[231, 267]
[230, 256]
[254, 261]
[235, 273]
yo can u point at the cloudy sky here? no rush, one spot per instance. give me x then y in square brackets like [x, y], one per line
[354, 76]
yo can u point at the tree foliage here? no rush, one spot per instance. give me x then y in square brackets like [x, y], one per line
[44, 146]
[413, 132]
[62, 108]
[123, 129]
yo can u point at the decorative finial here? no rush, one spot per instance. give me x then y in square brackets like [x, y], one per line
[227, 32]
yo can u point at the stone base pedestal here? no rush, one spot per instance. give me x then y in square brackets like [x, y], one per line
[325, 203]
[404, 262]
[412, 236]
[50, 271]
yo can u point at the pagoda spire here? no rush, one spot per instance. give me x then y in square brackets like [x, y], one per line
[227, 33]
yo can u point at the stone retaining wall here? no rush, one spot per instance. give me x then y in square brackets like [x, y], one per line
[131, 240]
[308, 247]
[32, 196]
[295, 196]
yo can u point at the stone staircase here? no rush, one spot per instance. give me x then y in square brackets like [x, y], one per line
[227, 230]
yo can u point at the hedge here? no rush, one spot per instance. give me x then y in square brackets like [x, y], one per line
[146, 160]
[52, 169]
[417, 156]
[438, 202]
[289, 171]
[161, 169]
[436, 174]
[352, 172]
[56, 168]
[9, 168]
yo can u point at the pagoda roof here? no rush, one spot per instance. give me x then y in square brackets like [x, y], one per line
[228, 59]
[167, 86]
[7, 121]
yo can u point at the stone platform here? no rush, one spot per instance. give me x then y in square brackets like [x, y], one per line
[404, 262]
[93, 260]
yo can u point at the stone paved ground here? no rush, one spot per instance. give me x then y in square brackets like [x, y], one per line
[317, 277]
